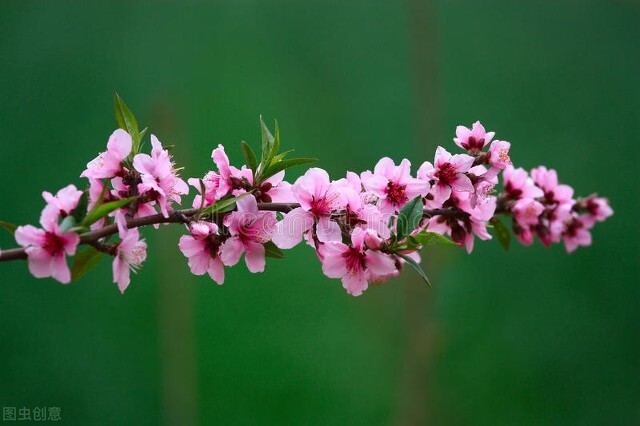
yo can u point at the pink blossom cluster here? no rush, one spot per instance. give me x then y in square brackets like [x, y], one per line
[352, 222]
[543, 207]
[113, 175]
[364, 227]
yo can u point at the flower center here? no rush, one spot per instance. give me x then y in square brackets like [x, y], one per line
[355, 260]
[446, 173]
[53, 244]
[396, 193]
[472, 144]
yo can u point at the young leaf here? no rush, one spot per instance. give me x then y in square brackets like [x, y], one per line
[281, 156]
[127, 121]
[98, 213]
[250, 156]
[502, 233]
[267, 142]
[9, 227]
[431, 238]
[67, 224]
[286, 164]
[81, 210]
[409, 217]
[276, 143]
[270, 250]
[84, 261]
[224, 205]
[417, 267]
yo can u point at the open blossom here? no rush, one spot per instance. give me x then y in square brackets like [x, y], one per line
[527, 211]
[498, 155]
[130, 252]
[47, 248]
[474, 139]
[211, 182]
[393, 184]
[448, 172]
[276, 190]
[463, 226]
[576, 234]
[63, 203]
[597, 208]
[518, 184]
[355, 263]
[202, 248]
[231, 178]
[547, 180]
[318, 199]
[250, 228]
[159, 177]
[109, 163]
[361, 209]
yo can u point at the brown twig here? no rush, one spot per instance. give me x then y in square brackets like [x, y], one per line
[176, 216]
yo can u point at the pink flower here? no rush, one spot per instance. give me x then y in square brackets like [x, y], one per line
[484, 183]
[202, 248]
[393, 184]
[276, 190]
[598, 209]
[63, 203]
[576, 234]
[498, 155]
[518, 184]
[527, 212]
[448, 173]
[211, 183]
[109, 163]
[159, 177]
[474, 139]
[249, 229]
[130, 253]
[355, 264]
[468, 222]
[231, 178]
[361, 209]
[547, 180]
[318, 199]
[47, 248]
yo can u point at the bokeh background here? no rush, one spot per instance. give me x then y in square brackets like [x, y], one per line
[533, 336]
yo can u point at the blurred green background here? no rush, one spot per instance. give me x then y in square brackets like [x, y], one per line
[529, 337]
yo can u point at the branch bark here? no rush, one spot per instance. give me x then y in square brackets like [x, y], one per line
[177, 216]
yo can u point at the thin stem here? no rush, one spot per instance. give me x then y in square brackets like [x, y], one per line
[184, 216]
[176, 216]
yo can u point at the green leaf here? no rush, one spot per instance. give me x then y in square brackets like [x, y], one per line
[267, 142]
[9, 227]
[276, 144]
[270, 250]
[502, 233]
[224, 205]
[281, 156]
[98, 213]
[286, 164]
[409, 217]
[81, 210]
[67, 224]
[417, 267]
[84, 261]
[127, 121]
[250, 156]
[425, 238]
